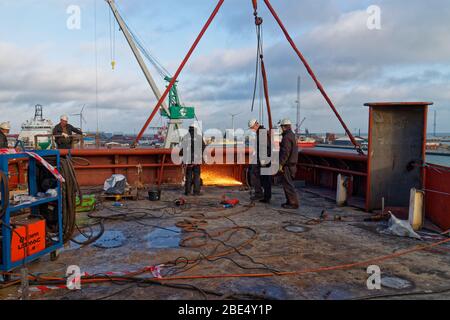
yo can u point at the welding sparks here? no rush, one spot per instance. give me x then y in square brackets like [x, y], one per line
[215, 179]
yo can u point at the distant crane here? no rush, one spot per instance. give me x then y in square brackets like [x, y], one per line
[299, 126]
[82, 119]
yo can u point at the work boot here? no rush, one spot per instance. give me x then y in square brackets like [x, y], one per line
[257, 197]
[266, 201]
[290, 206]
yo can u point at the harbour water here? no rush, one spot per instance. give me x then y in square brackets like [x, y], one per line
[443, 160]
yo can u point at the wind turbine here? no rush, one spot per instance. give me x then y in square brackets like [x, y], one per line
[81, 117]
[234, 115]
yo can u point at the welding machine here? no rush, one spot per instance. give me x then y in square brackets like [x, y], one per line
[27, 230]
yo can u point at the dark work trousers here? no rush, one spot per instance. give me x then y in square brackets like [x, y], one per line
[266, 182]
[255, 179]
[288, 185]
[193, 178]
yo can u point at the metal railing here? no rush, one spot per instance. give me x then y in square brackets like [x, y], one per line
[78, 141]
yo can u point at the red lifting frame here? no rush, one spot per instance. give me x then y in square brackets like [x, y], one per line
[288, 37]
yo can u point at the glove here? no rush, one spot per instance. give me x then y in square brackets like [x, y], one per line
[281, 170]
[65, 135]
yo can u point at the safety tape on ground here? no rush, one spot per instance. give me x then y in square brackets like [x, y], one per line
[154, 270]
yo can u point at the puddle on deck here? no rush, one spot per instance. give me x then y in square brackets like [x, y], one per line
[396, 283]
[164, 238]
[296, 229]
[110, 239]
[266, 289]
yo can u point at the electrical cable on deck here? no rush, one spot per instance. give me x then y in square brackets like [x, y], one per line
[5, 194]
[70, 189]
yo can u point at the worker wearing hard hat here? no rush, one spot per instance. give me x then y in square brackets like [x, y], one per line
[288, 164]
[194, 146]
[63, 133]
[259, 181]
[5, 127]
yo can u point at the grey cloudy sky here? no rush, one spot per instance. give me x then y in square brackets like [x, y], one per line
[41, 61]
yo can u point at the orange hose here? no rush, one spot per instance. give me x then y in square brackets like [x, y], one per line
[315, 270]
[263, 275]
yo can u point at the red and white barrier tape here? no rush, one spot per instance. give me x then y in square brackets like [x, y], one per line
[42, 161]
[154, 270]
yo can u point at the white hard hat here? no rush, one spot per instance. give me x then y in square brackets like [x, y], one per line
[196, 125]
[286, 122]
[252, 123]
[64, 117]
[5, 126]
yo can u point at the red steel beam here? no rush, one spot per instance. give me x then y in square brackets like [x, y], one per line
[123, 166]
[130, 152]
[114, 152]
[345, 171]
[180, 68]
[313, 76]
[161, 171]
[266, 93]
[255, 5]
[334, 154]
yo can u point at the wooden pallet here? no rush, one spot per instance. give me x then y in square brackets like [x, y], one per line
[131, 195]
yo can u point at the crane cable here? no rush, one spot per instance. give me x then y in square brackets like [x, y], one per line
[260, 72]
[156, 64]
[140, 44]
[96, 65]
[258, 62]
[112, 40]
[313, 77]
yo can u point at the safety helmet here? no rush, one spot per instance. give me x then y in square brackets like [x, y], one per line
[64, 117]
[286, 122]
[5, 126]
[252, 123]
[196, 125]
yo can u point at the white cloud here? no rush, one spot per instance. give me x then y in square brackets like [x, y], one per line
[406, 60]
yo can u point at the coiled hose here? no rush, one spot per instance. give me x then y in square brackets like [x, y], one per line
[5, 194]
[70, 189]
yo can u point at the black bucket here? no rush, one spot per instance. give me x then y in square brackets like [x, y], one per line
[154, 195]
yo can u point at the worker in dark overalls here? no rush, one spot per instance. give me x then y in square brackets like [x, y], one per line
[261, 183]
[288, 164]
[5, 127]
[63, 133]
[193, 148]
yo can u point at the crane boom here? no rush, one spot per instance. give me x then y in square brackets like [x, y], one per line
[136, 53]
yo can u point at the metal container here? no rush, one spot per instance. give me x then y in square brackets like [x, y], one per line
[154, 195]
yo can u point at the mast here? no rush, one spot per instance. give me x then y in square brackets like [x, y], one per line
[298, 131]
[38, 114]
[435, 122]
